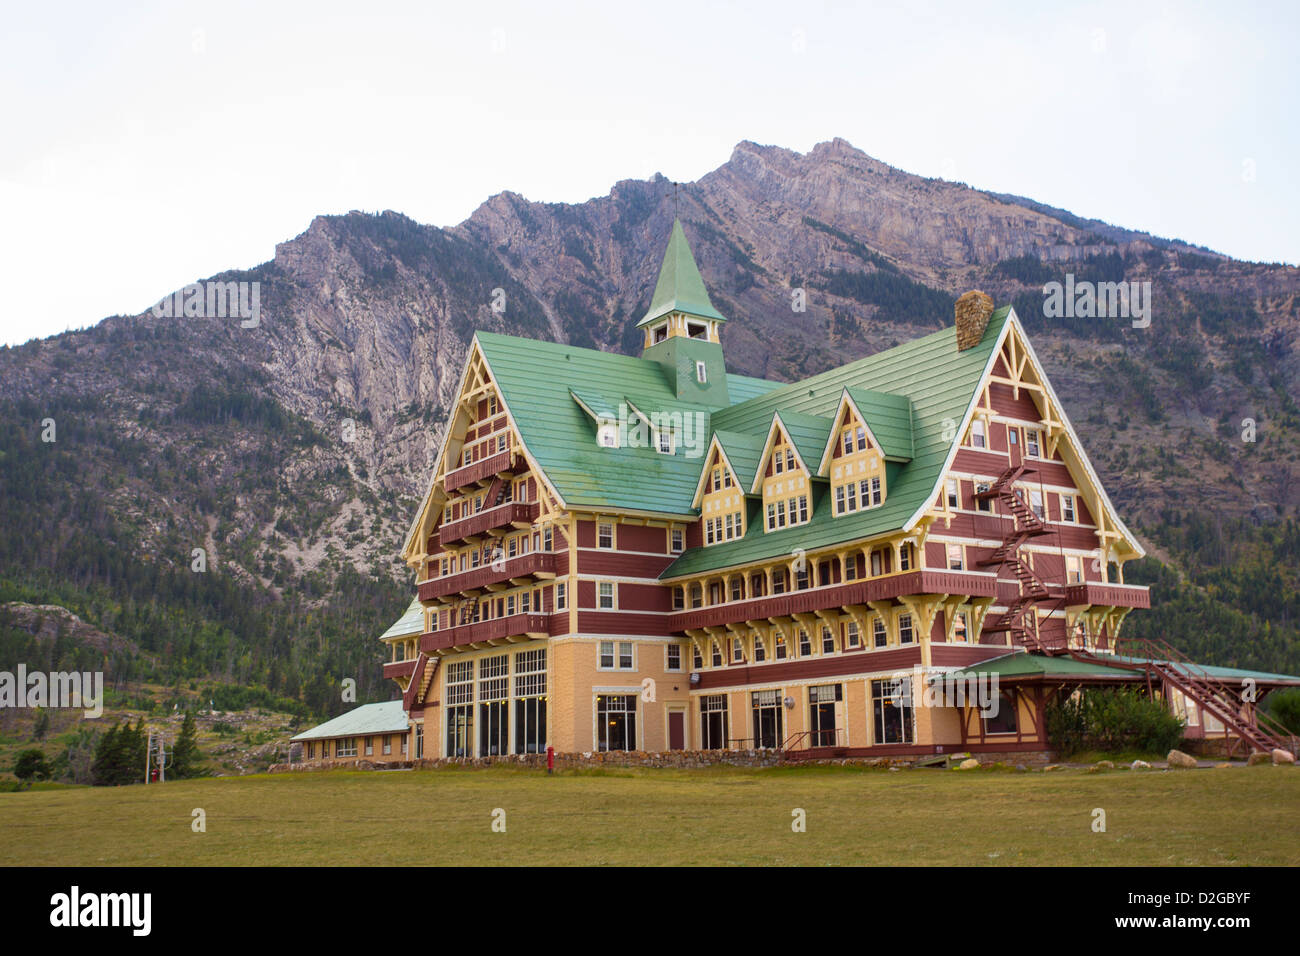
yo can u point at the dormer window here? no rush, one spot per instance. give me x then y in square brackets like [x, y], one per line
[659, 333]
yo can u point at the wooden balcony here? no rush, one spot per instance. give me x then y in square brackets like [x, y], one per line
[500, 463]
[519, 514]
[1107, 595]
[497, 629]
[533, 564]
[973, 583]
[399, 669]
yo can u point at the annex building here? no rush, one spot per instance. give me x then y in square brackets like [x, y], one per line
[653, 553]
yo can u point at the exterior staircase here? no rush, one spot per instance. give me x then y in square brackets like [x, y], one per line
[421, 681]
[1025, 525]
[1216, 696]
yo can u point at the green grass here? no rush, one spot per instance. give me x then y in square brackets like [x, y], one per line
[650, 817]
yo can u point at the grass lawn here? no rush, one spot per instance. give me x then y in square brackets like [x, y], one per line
[671, 817]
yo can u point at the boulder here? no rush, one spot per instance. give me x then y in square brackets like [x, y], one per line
[1104, 765]
[1139, 765]
[968, 764]
[1180, 761]
[1257, 758]
[1223, 766]
[1283, 756]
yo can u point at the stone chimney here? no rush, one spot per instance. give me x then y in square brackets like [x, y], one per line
[973, 311]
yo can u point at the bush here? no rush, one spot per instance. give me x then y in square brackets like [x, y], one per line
[31, 765]
[1111, 721]
[1284, 706]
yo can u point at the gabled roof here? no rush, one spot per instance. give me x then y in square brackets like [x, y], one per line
[385, 718]
[803, 432]
[741, 459]
[680, 287]
[743, 453]
[411, 622]
[594, 405]
[941, 385]
[889, 417]
[539, 382]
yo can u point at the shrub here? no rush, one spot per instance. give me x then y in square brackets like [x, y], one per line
[1111, 721]
[1284, 706]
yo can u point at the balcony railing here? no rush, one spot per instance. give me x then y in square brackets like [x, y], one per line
[974, 583]
[480, 470]
[1108, 595]
[520, 513]
[399, 669]
[474, 579]
[497, 629]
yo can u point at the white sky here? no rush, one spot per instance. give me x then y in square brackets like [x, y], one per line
[150, 145]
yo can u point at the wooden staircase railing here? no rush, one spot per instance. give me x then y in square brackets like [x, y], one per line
[1216, 696]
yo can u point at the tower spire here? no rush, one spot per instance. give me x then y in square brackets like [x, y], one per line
[680, 287]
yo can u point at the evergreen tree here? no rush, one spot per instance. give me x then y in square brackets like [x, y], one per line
[185, 755]
[107, 757]
[31, 764]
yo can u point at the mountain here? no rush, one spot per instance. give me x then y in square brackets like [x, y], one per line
[292, 454]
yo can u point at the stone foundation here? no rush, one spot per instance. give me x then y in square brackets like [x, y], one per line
[678, 759]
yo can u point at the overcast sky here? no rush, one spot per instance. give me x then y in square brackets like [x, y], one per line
[149, 145]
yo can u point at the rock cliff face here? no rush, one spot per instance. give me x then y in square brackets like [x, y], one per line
[187, 433]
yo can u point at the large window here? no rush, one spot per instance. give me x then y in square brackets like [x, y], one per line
[892, 710]
[346, 747]
[768, 718]
[1004, 721]
[530, 701]
[460, 709]
[616, 722]
[494, 706]
[713, 722]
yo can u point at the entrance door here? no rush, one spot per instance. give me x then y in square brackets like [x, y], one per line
[822, 706]
[1013, 444]
[676, 730]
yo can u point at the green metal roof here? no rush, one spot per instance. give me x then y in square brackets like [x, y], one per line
[743, 451]
[385, 718]
[538, 379]
[1020, 664]
[940, 384]
[890, 419]
[411, 622]
[1228, 673]
[809, 434]
[680, 287]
